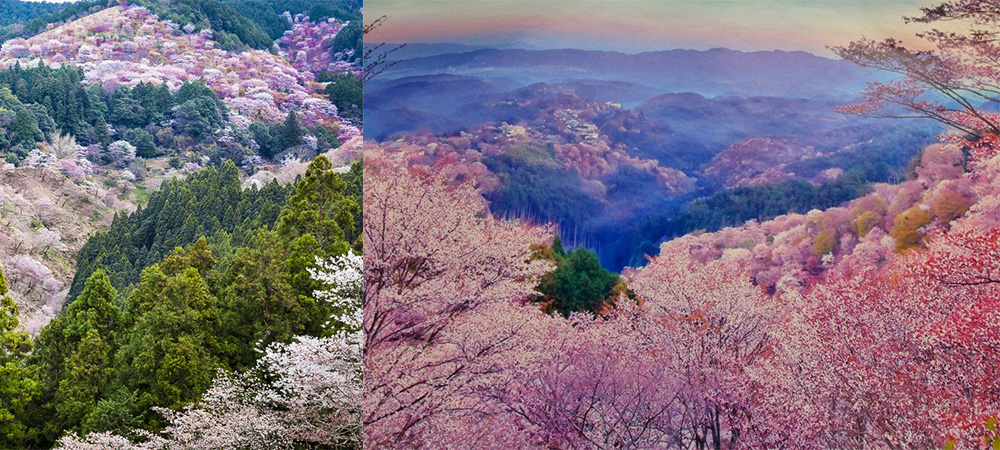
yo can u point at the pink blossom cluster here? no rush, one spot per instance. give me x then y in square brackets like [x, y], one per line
[874, 325]
[46, 213]
[894, 331]
[127, 45]
[307, 45]
[72, 169]
[31, 274]
[460, 157]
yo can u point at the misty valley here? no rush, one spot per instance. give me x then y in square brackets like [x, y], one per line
[625, 151]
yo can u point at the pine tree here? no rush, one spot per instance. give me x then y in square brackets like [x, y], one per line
[73, 356]
[262, 136]
[17, 384]
[171, 353]
[291, 132]
[88, 371]
[318, 222]
[101, 133]
[25, 129]
[95, 308]
[257, 302]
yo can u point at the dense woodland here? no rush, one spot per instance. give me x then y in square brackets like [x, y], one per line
[17, 11]
[155, 120]
[159, 339]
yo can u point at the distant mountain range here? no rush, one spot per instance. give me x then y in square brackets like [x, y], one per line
[422, 50]
[712, 72]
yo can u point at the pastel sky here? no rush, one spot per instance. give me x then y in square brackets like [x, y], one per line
[643, 25]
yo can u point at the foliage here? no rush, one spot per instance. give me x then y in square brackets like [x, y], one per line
[226, 417]
[291, 132]
[906, 227]
[122, 366]
[345, 91]
[128, 45]
[804, 331]
[180, 212]
[578, 284]
[950, 205]
[142, 141]
[419, 249]
[17, 384]
[23, 19]
[349, 39]
[308, 46]
[233, 30]
[738, 205]
[318, 222]
[542, 192]
[73, 356]
[16, 11]
[265, 16]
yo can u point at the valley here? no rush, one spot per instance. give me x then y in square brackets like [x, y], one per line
[616, 160]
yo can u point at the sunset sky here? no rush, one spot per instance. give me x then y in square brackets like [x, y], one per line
[643, 25]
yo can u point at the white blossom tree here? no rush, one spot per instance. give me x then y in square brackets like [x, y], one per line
[307, 392]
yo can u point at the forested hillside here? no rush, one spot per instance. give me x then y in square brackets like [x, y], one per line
[18, 12]
[74, 102]
[739, 332]
[825, 278]
[128, 344]
[620, 181]
[180, 225]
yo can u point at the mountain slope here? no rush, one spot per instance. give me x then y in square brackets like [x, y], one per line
[127, 45]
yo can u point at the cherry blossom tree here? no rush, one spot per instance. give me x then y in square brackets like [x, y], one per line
[315, 390]
[723, 337]
[228, 416]
[961, 71]
[343, 278]
[119, 153]
[305, 392]
[443, 285]
[315, 384]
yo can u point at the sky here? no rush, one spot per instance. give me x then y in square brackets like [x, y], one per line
[645, 25]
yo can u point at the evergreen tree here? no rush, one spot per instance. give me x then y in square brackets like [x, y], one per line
[202, 308]
[347, 95]
[17, 383]
[291, 132]
[126, 110]
[317, 223]
[578, 284]
[73, 357]
[25, 128]
[258, 304]
[88, 371]
[44, 122]
[170, 354]
[101, 134]
[142, 141]
[262, 136]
